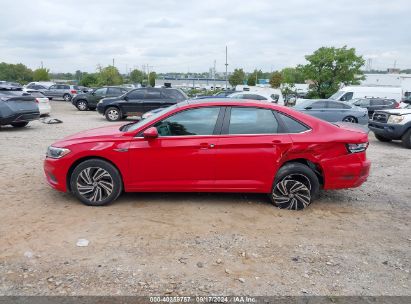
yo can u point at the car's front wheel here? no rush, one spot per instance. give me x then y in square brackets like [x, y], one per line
[295, 186]
[19, 124]
[96, 182]
[113, 114]
[82, 105]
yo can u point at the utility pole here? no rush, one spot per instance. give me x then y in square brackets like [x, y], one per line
[226, 68]
[214, 74]
[113, 62]
[256, 76]
[42, 64]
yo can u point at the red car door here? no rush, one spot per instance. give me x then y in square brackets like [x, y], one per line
[249, 150]
[182, 158]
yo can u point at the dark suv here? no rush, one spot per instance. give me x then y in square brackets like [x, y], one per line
[16, 107]
[374, 104]
[139, 101]
[88, 101]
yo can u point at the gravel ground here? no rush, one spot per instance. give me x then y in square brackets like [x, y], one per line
[349, 242]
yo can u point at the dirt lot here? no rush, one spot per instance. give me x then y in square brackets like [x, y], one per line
[350, 242]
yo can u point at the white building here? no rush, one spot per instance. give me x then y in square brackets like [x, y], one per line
[395, 80]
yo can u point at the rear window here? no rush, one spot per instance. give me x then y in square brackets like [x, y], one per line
[173, 94]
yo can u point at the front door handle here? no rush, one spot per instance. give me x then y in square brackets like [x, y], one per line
[204, 146]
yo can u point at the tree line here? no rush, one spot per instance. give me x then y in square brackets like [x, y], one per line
[326, 69]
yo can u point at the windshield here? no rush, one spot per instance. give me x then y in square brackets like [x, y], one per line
[337, 95]
[149, 119]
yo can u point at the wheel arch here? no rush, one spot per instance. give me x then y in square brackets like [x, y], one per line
[80, 160]
[316, 167]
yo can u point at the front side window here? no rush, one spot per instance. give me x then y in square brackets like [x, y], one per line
[362, 103]
[114, 91]
[172, 94]
[347, 96]
[252, 121]
[199, 121]
[153, 94]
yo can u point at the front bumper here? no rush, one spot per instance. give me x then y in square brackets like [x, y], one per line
[56, 173]
[390, 131]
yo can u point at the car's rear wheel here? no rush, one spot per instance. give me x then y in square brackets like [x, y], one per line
[295, 186]
[67, 97]
[351, 119]
[113, 114]
[19, 124]
[82, 105]
[406, 139]
[96, 182]
[382, 138]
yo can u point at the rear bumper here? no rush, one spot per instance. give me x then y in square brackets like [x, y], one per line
[391, 131]
[348, 171]
[20, 117]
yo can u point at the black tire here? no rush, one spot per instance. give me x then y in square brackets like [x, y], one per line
[67, 97]
[96, 182]
[382, 138]
[295, 186]
[351, 119]
[19, 124]
[113, 114]
[406, 139]
[82, 105]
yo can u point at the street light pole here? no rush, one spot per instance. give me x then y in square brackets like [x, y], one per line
[226, 65]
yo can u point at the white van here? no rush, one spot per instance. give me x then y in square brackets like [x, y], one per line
[351, 92]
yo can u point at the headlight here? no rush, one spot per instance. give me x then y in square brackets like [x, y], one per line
[54, 152]
[395, 119]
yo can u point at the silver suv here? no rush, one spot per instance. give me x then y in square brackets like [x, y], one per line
[64, 91]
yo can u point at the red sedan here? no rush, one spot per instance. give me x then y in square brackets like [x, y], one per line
[212, 146]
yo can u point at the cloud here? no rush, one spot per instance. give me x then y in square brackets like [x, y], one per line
[183, 35]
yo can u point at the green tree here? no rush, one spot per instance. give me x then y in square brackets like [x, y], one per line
[89, 80]
[237, 77]
[329, 67]
[15, 72]
[152, 79]
[292, 75]
[137, 76]
[41, 74]
[253, 77]
[276, 79]
[109, 76]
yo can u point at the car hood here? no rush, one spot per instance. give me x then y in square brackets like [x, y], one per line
[97, 134]
[397, 111]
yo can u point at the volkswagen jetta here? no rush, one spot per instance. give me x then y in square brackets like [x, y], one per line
[212, 146]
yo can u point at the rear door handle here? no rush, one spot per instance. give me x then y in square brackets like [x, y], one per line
[204, 146]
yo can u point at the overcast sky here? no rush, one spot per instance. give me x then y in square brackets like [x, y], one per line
[181, 36]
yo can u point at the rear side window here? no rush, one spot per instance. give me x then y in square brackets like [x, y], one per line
[153, 94]
[338, 105]
[377, 102]
[318, 105]
[114, 91]
[292, 125]
[172, 94]
[36, 94]
[199, 121]
[362, 102]
[252, 121]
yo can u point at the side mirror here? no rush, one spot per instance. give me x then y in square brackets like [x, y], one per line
[150, 133]
[126, 98]
[93, 93]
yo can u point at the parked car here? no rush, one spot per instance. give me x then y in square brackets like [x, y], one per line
[265, 96]
[88, 101]
[333, 111]
[393, 124]
[222, 94]
[42, 101]
[212, 146]
[37, 87]
[372, 104]
[64, 91]
[139, 101]
[43, 84]
[17, 108]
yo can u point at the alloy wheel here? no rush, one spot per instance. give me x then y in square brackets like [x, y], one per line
[292, 192]
[113, 114]
[95, 184]
[349, 119]
[82, 106]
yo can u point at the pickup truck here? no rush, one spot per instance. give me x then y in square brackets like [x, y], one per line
[393, 124]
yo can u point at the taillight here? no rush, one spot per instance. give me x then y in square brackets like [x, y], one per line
[356, 148]
[397, 105]
[37, 100]
[73, 92]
